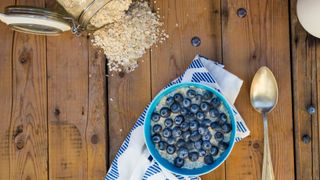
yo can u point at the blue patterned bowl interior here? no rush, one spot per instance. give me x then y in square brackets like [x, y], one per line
[165, 163]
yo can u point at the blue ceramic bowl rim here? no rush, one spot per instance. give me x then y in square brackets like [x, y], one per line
[165, 163]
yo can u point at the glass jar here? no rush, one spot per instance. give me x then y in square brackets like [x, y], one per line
[81, 15]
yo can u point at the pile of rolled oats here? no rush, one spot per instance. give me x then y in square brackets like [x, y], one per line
[127, 39]
[126, 29]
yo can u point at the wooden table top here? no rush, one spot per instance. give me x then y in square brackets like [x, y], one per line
[62, 118]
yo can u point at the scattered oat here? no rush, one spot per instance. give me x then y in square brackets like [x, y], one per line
[111, 99]
[177, 25]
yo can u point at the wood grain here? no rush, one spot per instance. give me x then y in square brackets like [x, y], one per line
[315, 117]
[96, 129]
[28, 124]
[128, 95]
[305, 62]
[260, 38]
[184, 19]
[68, 94]
[6, 36]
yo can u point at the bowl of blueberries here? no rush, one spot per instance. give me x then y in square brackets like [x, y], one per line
[190, 129]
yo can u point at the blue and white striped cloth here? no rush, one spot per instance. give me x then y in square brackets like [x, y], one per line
[134, 162]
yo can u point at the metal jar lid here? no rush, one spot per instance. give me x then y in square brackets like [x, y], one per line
[34, 20]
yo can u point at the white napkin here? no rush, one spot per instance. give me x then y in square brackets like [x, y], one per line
[133, 161]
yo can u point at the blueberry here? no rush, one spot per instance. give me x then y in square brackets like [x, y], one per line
[194, 108]
[186, 135]
[206, 122]
[171, 140]
[215, 102]
[208, 159]
[206, 145]
[168, 122]
[169, 101]
[207, 137]
[226, 128]
[191, 93]
[223, 145]
[155, 117]
[162, 145]
[157, 128]
[175, 108]
[194, 124]
[223, 118]
[190, 116]
[185, 126]
[202, 152]
[215, 125]
[156, 138]
[204, 106]
[178, 97]
[184, 111]
[183, 152]
[171, 149]
[198, 98]
[218, 136]
[176, 132]
[178, 162]
[195, 136]
[189, 145]
[166, 132]
[165, 112]
[193, 156]
[214, 112]
[207, 95]
[200, 115]
[178, 120]
[197, 145]
[203, 130]
[214, 150]
[180, 143]
[186, 102]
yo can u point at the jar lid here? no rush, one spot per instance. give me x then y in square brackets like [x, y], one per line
[34, 20]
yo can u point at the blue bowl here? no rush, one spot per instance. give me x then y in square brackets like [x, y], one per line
[165, 163]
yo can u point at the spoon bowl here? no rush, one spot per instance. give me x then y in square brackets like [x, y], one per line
[264, 91]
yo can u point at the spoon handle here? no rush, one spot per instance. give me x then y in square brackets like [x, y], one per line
[267, 169]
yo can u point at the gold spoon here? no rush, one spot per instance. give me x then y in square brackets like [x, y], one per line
[264, 97]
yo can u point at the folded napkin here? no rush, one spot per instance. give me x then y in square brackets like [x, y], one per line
[133, 161]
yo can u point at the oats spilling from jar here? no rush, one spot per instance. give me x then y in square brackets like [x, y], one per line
[127, 39]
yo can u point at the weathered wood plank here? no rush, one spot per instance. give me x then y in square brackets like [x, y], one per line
[128, 95]
[184, 19]
[305, 60]
[28, 125]
[260, 38]
[96, 128]
[68, 94]
[302, 86]
[6, 36]
[315, 117]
